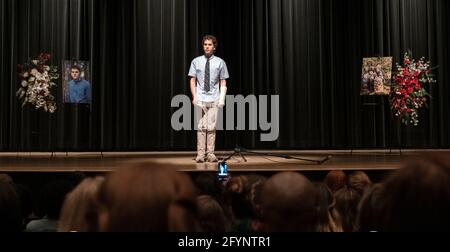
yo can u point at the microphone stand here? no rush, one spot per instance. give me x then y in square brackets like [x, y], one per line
[240, 150]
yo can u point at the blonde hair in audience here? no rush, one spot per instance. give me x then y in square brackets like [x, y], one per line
[79, 211]
[147, 198]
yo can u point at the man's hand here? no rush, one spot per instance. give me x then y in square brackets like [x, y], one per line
[196, 103]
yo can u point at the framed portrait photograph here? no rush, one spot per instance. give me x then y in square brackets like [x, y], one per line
[77, 87]
[376, 76]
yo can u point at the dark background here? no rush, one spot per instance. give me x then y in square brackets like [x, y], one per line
[309, 52]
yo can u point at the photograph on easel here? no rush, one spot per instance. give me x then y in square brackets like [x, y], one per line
[77, 87]
[376, 76]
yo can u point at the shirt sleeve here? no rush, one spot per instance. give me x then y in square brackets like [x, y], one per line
[192, 70]
[224, 71]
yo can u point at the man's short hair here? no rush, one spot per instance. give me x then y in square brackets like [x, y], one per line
[75, 67]
[212, 38]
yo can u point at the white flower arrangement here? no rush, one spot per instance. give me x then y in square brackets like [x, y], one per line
[36, 81]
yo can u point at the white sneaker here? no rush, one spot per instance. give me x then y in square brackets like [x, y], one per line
[200, 159]
[211, 158]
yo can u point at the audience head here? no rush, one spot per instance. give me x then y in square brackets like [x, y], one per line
[359, 181]
[347, 200]
[335, 180]
[79, 211]
[6, 178]
[147, 197]
[256, 184]
[208, 184]
[238, 196]
[368, 208]
[325, 203]
[211, 215]
[288, 203]
[417, 196]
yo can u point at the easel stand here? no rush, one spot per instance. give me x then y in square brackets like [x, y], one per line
[373, 105]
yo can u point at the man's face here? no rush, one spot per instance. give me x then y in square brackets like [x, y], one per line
[75, 73]
[208, 47]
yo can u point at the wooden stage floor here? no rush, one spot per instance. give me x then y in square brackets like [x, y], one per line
[109, 161]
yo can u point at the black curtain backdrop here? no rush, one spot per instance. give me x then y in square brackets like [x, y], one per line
[309, 52]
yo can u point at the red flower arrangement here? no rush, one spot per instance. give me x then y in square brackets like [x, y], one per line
[36, 81]
[408, 93]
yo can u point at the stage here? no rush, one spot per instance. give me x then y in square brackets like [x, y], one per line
[184, 161]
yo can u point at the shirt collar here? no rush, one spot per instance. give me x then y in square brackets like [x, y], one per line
[210, 58]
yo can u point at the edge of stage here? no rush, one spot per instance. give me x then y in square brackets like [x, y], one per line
[374, 159]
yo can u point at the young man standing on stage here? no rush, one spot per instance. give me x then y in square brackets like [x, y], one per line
[208, 72]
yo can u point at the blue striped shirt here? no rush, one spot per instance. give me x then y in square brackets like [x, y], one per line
[218, 71]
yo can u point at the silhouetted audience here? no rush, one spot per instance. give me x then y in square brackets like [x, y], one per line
[10, 214]
[75, 177]
[154, 197]
[6, 178]
[237, 198]
[26, 203]
[50, 202]
[243, 197]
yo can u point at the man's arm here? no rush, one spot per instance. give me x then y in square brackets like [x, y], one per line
[223, 83]
[193, 90]
[223, 93]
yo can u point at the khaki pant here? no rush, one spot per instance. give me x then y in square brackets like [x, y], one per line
[206, 132]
